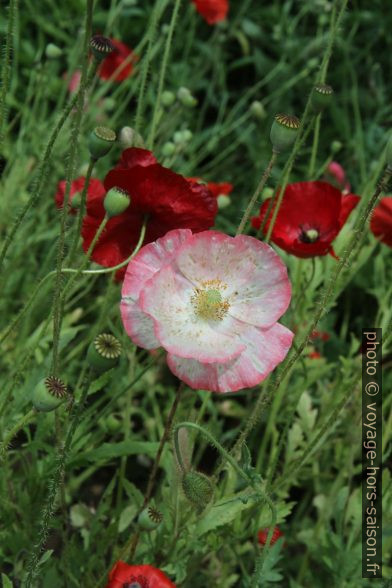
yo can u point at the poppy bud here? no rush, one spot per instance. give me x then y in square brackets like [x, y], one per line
[150, 519]
[112, 423]
[52, 51]
[48, 394]
[116, 201]
[284, 130]
[223, 201]
[185, 97]
[168, 149]
[321, 97]
[168, 98]
[257, 110]
[336, 146]
[181, 137]
[389, 152]
[101, 141]
[103, 353]
[76, 201]
[101, 47]
[197, 488]
[130, 138]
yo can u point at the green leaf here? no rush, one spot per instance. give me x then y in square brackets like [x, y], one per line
[110, 451]
[6, 582]
[45, 557]
[223, 512]
[126, 517]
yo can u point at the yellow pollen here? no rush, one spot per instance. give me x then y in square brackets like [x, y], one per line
[208, 303]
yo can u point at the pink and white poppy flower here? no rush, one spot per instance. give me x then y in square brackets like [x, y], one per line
[212, 301]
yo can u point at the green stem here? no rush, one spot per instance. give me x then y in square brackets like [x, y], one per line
[162, 74]
[81, 209]
[57, 302]
[256, 193]
[316, 135]
[5, 72]
[15, 429]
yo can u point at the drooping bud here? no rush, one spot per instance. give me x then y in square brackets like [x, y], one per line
[130, 138]
[197, 488]
[52, 51]
[336, 146]
[168, 98]
[150, 518]
[284, 130]
[321, 97]
[185, 97]
[181, 137]
[257, 110]
[223, 201]
[48, 394]
[168, 149]
[101, 47]
[100, 142]
[116, 201]
[104, 352]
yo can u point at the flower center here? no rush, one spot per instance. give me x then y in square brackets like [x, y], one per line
[309, 236]
[208, 301]
[136, 582]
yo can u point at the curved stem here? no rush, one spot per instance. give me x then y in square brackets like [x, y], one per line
[15, 429]
[256, 193]
[162, 74]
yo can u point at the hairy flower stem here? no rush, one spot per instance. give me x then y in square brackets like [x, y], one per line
[165, 59]
[323, 307]
[5, 72]
[57, 301]
[81, 210]
[54, 484]
[12, 432]
[313, 155]
[43, 169]
[259, 189]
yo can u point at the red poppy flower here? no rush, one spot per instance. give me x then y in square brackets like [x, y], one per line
[169, 200]
[381, 221]
[212, 11]
[263, 534]
[323, 335]
[123, 575]
[115, 59]
[309, 219]
[95, 191]
[315, 355]
[216, 188]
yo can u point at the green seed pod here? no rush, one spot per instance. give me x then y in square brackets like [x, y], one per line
[185, 97]
[150, 519]
[52, 51]
[257, 110]
[100, 142]
[101, 47]
[116, 201]
[103, 353]
[389, 152]
[321, 97]
[48, 394]
[168, 149]
[197, 488]
[283, 132]
[168, 98]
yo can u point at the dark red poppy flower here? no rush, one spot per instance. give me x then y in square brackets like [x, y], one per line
[167, 198]
[115, 59]
[315, 355]
[123, 575]
[95, 191]
[381, 221]
[323, 335]
[263, 534]
[309, 219]
[216, 188]
[213, 11]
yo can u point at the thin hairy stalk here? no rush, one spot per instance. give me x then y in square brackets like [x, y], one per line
[43, 169]
[54, 484]
[335, 23]
[5, 72]
[165, 59]
[12, 432]
[313, 155]
[323, 307]
[151, 34]
[57, 299]
[153, 475]
[259, 189]
[81, 210]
